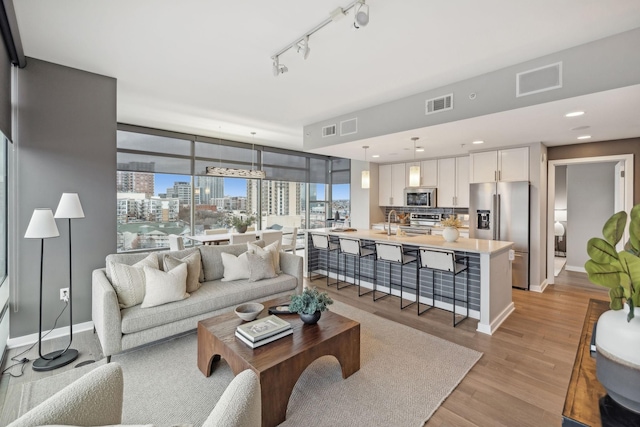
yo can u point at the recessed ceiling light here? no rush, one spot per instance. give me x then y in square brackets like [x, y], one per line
[376, 155]
[478, 142]
[574, 114]
[419, 149]
[584, 137]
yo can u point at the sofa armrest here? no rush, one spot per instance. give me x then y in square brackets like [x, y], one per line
[94, 399]
[292, 265]
[105, 313]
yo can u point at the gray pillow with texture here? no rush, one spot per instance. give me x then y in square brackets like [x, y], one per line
[128, 280]
[194, 267]
[260, 266]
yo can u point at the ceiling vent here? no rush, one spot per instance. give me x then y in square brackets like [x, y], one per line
[329, 131]
[538, 80]
[349, 127]
[441, 103]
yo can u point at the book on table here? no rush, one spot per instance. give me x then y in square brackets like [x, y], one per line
[264, 341]
[261, 329]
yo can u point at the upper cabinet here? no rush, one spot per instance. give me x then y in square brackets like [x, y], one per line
[392, 181]
[428, 173]
[453, 182]
[511, 164]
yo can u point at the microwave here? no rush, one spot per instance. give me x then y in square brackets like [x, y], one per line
[420, 196]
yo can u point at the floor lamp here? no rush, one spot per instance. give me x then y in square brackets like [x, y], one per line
[43, 226]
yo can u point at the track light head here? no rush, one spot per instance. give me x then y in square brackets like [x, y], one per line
[361, 14]
[278, 68]
[303, 46]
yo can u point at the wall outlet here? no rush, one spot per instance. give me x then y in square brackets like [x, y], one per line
[64, 294]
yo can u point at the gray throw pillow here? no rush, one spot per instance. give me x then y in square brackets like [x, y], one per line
[194, 266]
[260, 267]
[128, 280]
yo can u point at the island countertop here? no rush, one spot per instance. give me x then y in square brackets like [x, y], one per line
[463, 244]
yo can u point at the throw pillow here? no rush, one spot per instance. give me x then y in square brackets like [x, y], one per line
[128, 280]
[235, 268]
[162, 287]
[194, 266]
[260, 267]
[273, 249]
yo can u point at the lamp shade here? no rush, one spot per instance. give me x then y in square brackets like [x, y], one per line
[365, 179]
[414, 176]
[42, 225]
[69, 206]
[558, 229]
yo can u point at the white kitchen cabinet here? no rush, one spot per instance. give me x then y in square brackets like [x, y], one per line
[453, 182]
[429, 173]
[511, 164]
[437, 231]
[391, 185]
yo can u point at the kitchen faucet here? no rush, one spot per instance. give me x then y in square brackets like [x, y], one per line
[395, 214]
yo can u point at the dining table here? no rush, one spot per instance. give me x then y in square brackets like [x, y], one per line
[216, 239]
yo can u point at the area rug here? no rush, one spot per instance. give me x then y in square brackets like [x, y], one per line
[404, 377]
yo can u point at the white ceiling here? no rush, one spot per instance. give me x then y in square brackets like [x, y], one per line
[204, 67]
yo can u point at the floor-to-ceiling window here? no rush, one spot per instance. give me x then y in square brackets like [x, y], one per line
[163, 187]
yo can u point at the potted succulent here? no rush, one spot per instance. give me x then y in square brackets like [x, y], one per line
[618, 330]
[310, 304]
[451, 225]
[241, 223]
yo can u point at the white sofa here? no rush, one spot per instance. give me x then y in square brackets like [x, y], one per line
[121, 329]
[96, 399]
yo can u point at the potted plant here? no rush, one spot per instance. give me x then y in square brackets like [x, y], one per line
[451, 225]
[618, 330]
[241, 223]
[310, 304]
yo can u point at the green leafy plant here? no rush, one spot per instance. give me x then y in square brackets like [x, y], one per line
[451, 221]
[618, 271]
[310, 301]
[239, 221]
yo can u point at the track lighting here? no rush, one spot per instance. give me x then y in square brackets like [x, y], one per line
[361, 14]
[277, 67]
[303, 46]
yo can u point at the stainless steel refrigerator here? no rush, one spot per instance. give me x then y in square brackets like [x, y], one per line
[500, 211]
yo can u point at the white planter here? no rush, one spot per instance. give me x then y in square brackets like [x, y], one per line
[618, 359]
[450, 234]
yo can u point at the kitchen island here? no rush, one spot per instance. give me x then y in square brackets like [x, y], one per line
[489, 272]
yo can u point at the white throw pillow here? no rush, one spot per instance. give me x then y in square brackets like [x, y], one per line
[260, 267]
[273, 249]
[162, 287]
[194, 266]
[128, 280]
[235, 268]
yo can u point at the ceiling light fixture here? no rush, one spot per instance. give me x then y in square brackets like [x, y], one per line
[574, 114]
[301, 44]
[361, 14]
[585, 137]
[478, 142]
[375, 156]
[235, 172]
[365, 173]
[414, 170]
[420, 149]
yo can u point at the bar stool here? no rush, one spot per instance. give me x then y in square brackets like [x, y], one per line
[393, 253]
[446, 261]
[322, 243]
[352, 247]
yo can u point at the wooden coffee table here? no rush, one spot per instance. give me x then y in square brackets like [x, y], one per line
[279, 364]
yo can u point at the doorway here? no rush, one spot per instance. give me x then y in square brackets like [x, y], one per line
[622, 198]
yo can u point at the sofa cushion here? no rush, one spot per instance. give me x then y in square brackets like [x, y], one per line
[128, 280]
[260, 266]
[162, 287]
[213, 295]
[132, 258]
[194, 268]
[272, 249]
[235, 267]
[212, 260]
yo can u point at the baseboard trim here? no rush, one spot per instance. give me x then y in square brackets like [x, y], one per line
[539, 288]
[55, 333]
[490, 328]
[574, 268]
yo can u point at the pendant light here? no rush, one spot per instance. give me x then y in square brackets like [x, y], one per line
[414, 170]
[238, 173]
[365, 173]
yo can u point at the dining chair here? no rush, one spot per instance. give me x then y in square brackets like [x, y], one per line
[289, 239]
[176, 243]
[242, 238]
[270, 236]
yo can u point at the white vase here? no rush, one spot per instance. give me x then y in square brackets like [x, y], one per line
[618, 359]
[450, 234]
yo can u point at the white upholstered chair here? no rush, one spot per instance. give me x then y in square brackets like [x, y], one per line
[176, 243]
[289, 239]
[242, 238]
[216, 231]
[270, 236]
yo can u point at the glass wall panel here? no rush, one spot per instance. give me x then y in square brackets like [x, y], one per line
[151, 163]
[153, 143]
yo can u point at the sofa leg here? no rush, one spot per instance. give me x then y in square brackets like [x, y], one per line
[108, 359]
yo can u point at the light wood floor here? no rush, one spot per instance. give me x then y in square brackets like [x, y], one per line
[521, 380]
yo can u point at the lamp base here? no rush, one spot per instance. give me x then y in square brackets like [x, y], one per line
[48, 365]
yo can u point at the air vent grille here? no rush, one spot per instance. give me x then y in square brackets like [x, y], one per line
[441, 103]
[539, 80]
[329, 131]
[349, 127]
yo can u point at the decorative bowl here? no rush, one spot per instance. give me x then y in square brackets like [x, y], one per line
[249, 311]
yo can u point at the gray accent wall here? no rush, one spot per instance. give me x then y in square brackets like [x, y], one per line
[590, 203]
[5, 92]
[65, 142]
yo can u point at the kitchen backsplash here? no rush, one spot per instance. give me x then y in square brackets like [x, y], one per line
[445, 212]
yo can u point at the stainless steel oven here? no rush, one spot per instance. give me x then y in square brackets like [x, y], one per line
[420, 196]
